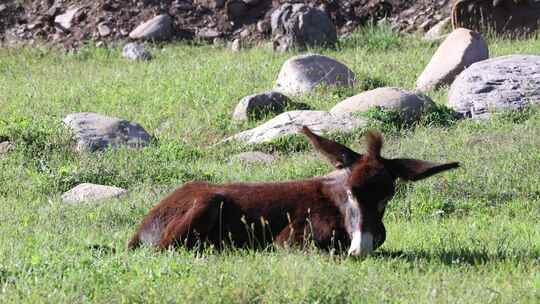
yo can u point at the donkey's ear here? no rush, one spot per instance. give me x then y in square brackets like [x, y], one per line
[414, 169]
[338, 155]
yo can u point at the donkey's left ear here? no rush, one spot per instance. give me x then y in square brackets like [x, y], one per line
[338, 155]
[414, 169]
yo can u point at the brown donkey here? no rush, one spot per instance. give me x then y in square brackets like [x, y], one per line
[343, 209]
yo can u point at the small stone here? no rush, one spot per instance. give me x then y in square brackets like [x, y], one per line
[6, 147]
[65, 20]
[157, 28]
[253, 158]
[254, 106]
[439, 30]
[135, 51]
[87, 192]
[236, 45]
[104, 30]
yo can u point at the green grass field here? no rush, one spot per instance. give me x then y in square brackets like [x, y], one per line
[471, 235]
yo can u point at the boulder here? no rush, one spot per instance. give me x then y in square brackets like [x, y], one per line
[91, 192]
[135, 51]
[258, 104]
[459, 50]
[300, 26]
[291, 122]
[253, 157]
[95, 132]
[158, 28]
[410, 105]
[507, 82]
[302, 74]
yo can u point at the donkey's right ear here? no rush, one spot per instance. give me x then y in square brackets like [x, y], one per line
[338, 155]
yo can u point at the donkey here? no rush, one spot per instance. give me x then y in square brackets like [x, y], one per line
[343, 209]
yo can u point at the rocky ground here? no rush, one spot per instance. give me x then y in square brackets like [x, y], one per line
[72, 22]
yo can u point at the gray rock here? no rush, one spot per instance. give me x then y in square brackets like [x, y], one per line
[253, 158]
[409, 104]
[91, 192]
[65, 20]
[104, 30]
[300, 26]
[439, 30]
[508, 82]
[135, 51]
[6, 147]
[157, 28]
[291, 122]
[302, 74]
[458, 51]
[95, 132]
[236, 45]
[258, 104]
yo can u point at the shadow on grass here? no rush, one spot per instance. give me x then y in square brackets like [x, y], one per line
[459, 256]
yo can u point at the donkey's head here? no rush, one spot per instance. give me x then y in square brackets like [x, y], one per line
[369, 185]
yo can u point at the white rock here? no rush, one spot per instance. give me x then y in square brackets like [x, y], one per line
[104, 30]
[302, 74]
[91, 192]
[409, 104]
[236, 45]
[65, 20]
[459, 50]
[291, 122]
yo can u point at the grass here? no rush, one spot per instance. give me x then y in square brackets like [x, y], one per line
[471, 235]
